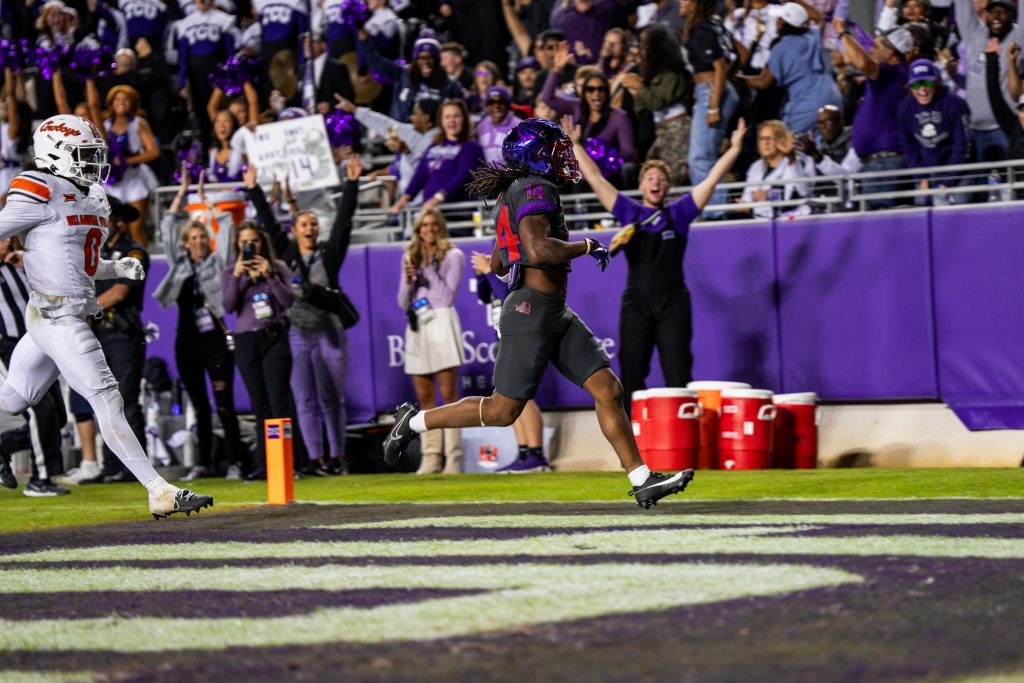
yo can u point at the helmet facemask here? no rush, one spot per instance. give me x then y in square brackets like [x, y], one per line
[563, 161]
[89, 163]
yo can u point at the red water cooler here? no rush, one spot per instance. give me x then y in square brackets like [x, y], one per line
[710, 395]
[668, 425]
[636, 413]
[795, 441]
[745, 428]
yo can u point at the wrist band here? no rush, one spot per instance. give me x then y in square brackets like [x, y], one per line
[713, 111]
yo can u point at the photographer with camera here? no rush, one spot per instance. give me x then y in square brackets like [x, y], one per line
[431, 273]
[119, 331]
[203, 345]
[319, 317]
[257, 288]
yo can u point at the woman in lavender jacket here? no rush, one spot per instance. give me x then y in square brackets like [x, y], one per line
[431, 272]
[444, 169]
[257, 287]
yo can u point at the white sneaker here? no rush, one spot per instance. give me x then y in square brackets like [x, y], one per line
[89, 469]
[167, 499]
[234, 472]
[197, 472]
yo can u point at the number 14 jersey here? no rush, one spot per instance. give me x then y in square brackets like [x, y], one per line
[62, 228]
[526, 197]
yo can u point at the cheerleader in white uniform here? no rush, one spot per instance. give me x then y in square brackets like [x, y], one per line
[131, 144]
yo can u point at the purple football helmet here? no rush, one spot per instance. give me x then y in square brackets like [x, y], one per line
[539, 146]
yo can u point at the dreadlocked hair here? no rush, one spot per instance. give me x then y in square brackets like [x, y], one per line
[490, 180]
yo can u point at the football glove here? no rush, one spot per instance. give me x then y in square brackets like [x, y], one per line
[598, 252]
[130, 268]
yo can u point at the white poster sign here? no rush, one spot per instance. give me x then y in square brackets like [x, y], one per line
[296, 148]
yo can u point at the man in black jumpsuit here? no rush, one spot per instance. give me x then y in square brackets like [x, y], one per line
[655, 309]
[532, 251]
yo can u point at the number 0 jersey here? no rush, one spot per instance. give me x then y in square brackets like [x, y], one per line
[526, 197]
[63, 229]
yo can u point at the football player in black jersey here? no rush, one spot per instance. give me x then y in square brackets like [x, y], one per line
[532, 252]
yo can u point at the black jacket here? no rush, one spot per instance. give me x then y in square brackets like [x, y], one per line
[332, 251]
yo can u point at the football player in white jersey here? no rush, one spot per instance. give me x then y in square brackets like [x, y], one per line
[62, 214]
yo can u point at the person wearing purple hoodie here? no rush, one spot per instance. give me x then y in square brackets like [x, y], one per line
[933, 126]
[496, 123]
[444, 169]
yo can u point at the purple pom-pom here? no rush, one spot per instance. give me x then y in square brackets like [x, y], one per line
[117, 149]
[234, 73]
[14, 54]
[50, 59]
[342, 128]
[604, 155]
[93, 60]
[354, 13]
[192, 156]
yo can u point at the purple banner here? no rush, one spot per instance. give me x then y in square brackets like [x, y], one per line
[838, 305]
[855, 306]
[978, 256]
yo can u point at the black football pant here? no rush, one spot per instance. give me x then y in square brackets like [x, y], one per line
[649, 320]
[41, 434]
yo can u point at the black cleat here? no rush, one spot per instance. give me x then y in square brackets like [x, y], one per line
[660, 485]
[7, 479]
[400, 435]
[169, 501]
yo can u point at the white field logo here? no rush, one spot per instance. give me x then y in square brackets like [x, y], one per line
[512, 596]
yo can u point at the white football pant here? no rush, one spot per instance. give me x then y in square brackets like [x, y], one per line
[67, 346]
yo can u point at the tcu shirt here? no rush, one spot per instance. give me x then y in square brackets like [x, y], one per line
[63, 230]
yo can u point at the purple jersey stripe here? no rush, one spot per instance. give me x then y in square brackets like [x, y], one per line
[534, 207]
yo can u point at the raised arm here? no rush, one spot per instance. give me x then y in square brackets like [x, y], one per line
[341, 231]
[605, 191]
[10, 96]
[264, 212]
[702, 192]
[1005, 116]
[516, 27]
[856, 56]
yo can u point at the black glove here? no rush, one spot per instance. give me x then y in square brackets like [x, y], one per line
[598, 252]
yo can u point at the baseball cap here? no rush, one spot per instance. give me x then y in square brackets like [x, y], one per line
[901, 40]
[922, 70]
[500, 92]
[528, 62]
[1007, 4]
[791, 13]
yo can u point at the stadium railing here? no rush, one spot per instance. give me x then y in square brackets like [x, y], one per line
[984, 182]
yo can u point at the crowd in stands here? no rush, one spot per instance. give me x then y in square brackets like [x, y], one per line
[438, 84]
[913, 83]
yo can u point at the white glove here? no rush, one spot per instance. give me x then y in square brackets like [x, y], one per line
[129, 267]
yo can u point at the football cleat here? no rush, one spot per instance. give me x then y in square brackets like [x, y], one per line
[170, 500]
[44, 489]
[7, 479]
[400, 435]
[525, 464]
[660, 485]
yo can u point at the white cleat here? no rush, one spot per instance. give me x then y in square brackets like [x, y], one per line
[170, 499]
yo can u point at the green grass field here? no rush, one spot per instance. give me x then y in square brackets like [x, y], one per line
[826, 575]
[123, 502]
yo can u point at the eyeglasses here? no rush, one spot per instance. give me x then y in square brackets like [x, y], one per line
[595, 88]
[495, 103]
[922, 84]
[483, 72]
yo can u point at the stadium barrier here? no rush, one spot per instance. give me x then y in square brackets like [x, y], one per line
[899, 305]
